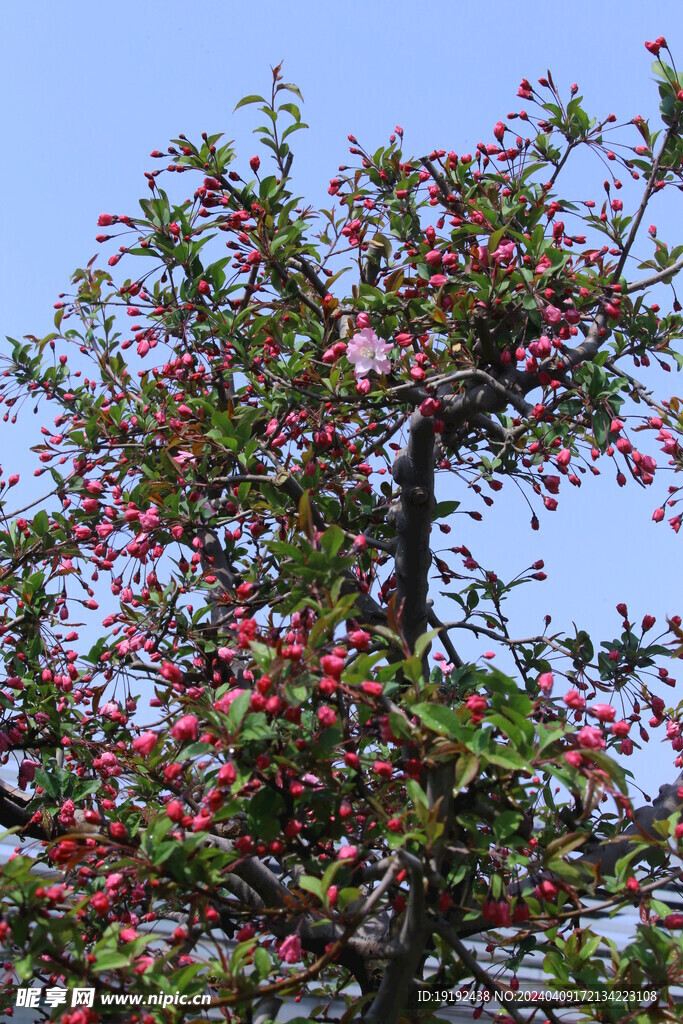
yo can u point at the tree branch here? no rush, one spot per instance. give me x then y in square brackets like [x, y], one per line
[647, 193]
[413, 471]
[435, 621]
[407, 952]
[646, 282]
[606, 854]
[478, 973]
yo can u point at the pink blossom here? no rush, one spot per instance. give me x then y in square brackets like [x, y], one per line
[184, 458]
[27, 772]
[170, 672]
[223, 703]
[185, 728]
[546, 890]
[573, 699]
[175, 810]
[654, 48]
[67, 813]
[504, 252]
[603, 712]
[145, 743]
[332, 665]
[552, 315]
[99, 901]
[372, 688]
[149, 520]
[476, 704]
[620, 728]
[327, 715]
[590, 737]
[290, 949]
[347, 853]
[201, 821]
[483, 255]
[545, 682]
[368, 352]
[359, 639]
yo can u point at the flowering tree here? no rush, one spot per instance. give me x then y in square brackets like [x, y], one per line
[267, 772]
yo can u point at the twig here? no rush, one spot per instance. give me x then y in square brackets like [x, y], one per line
[434, 620]
[651, 181]
[478, 973]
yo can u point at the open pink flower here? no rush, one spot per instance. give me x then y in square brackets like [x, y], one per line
[505, 252]
[368, 352]
[290, 949]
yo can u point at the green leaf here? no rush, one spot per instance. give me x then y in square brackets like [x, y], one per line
[41, 523]
[589, 946]
[439, 719]
[49, 782]
[505, 824]
[290, 87]
[332, 540]
[238, 708]
[311, 884]
[23, 967]
[416, 793]
[495, 239]
[249, 99]
[263, 811]
[292, 109]
[505, 757]
[601, 425]
[466, 770]
[445, 508]
[111, 960]
[423, 642]
[262, 963]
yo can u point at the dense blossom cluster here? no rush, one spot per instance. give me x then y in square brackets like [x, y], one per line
[233, 707]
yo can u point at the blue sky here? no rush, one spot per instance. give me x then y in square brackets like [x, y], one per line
[90, 90]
